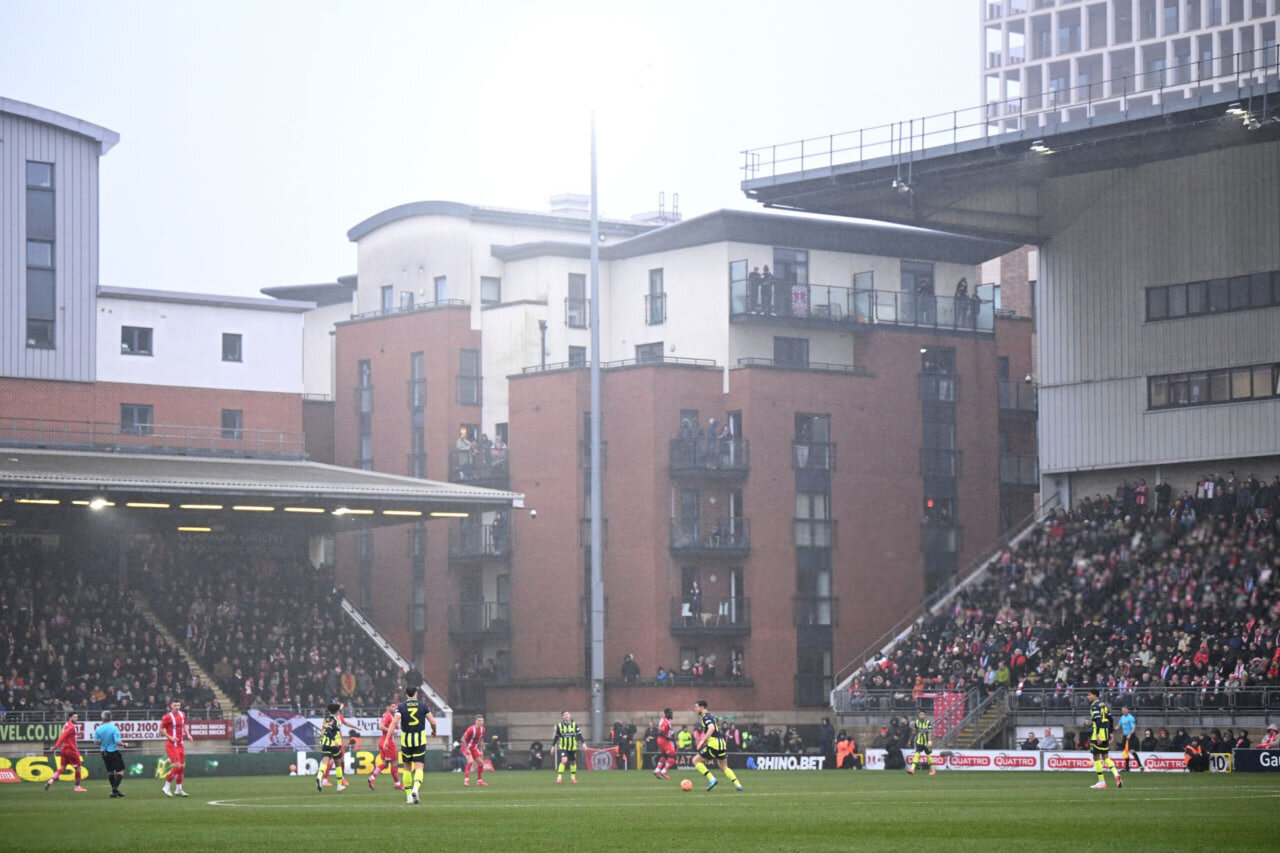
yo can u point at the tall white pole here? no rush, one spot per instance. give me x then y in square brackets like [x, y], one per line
[597, 576]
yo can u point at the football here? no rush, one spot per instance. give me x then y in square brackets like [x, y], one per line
[686, 785]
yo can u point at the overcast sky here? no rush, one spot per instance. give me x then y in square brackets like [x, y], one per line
[254, 134]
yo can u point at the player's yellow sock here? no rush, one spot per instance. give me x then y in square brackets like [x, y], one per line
[573, 770]
[406, 777]
[1097, 765]
[703, 769]
[730, 775]
[417, 779]
[929, 760]
[1111, 765]
[338, 770]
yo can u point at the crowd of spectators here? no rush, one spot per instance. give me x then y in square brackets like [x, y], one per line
[1137, 593]
[72, 638]
[265, 624]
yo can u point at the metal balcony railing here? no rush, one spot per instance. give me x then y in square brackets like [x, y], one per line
[1159, 92]
[939, 463]
[480, 619]
[941, 537]
[480, 541]
[711, 537]
[416, 465]
[691, 615]
[813, 456]
[478, 468]
[584, 533]
[1019, 470]
[816, 610]
[151, 438]
[709, 457]
[1018, 397]
[939, 387]
[655, 309]
[584, 455]
[813, 532]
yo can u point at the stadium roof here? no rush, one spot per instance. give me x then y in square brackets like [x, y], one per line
[33, 481]
[991, 186]
[105, 138]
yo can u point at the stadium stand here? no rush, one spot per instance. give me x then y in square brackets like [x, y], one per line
[267, 625]
[1162, 606]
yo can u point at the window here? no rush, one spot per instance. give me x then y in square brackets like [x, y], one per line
[469, 377]
[1227, 385]
[442, 288]
[135, 340]
[41, 277]
[1239, 293]
[649, 353]
[406, 300]
[791, 352]
[136, 419]
[577, 356]
[417, 382]
[791, 265]
[577, 306]
[388, 300]
[232, 423]
[812, 520]
[655, 302]
[490, 290]
[232, 347]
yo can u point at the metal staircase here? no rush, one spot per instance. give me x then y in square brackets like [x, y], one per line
[980, 725]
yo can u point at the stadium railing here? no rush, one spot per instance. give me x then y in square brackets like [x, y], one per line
[1190, 702]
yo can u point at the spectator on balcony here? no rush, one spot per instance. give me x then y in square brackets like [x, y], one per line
[499, 452]
[462, 455]
[498, 533]
[767, 282]
[483, 451]
[962, 302]
[710, 664]
[754, 282]
[1164, 493]
[695, 606]
[925, 302]
[735, 668]
[662, 677]
[699, 669]
[631, 669]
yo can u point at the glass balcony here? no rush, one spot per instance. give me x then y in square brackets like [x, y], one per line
[711, 537]
[939, 387]
[827, 305]
[925, 311]
[815, 610]
[938, 537]
[813, 456]
[478, 468]
[710, 616]
[939, 463]
[784, 301]
[814, 532]
[1017, 398]
[584, 455]
[1020, 471]
[479, 620]
[709, 457]
[480, 541]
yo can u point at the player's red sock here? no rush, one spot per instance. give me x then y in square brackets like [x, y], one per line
[181, 774]
[479, 772]
[172, 776]
[79, 770]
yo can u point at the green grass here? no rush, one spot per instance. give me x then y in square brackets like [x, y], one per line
[633, 811]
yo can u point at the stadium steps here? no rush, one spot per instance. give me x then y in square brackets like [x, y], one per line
[981, 725]
[226, 702]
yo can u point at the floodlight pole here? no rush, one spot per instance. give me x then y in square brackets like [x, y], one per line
[597, 576]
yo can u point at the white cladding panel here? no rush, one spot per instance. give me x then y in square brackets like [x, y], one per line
[318, 354]
[75, 165]
[1115, 234]
[187, 346]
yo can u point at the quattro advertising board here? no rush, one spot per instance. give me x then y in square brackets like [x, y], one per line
[1054, 760]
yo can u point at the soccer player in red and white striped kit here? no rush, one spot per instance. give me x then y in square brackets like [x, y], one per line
[473, 751]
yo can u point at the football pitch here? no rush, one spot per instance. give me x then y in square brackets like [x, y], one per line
[633, 811]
